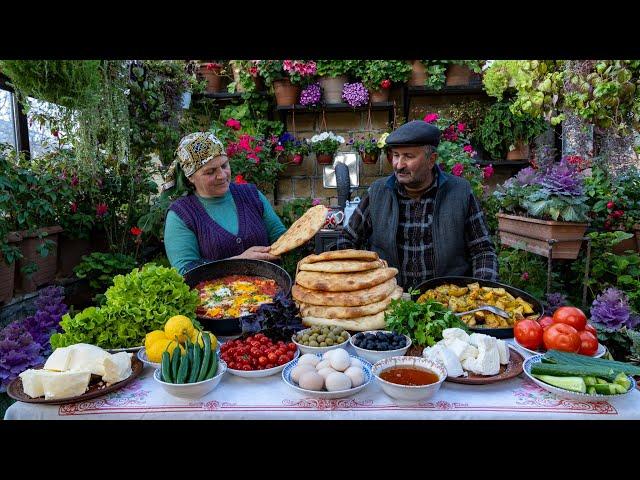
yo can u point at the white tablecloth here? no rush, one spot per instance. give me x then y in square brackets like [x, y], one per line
[270, 398]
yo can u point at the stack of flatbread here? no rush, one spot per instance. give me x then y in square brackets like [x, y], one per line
[346, 288]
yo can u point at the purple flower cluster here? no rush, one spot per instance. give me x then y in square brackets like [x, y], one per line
[611, 311]
[18, 352]
[562, 179]
[51, 308]
[553, 302]
[311, 95]
[355, 94]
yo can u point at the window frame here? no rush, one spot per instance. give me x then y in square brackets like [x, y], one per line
[20, 123]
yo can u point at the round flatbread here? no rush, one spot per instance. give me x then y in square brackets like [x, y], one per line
[344, 282]
[301, 231]
[360, 324]
[348, 254]
[344, 299]
[341, 266]
[307, 310]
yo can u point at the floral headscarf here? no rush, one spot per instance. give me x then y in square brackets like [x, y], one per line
[194, 150]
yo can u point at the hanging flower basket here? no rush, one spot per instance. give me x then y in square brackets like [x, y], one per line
[324, 158]
[370, 158]
[532, 235]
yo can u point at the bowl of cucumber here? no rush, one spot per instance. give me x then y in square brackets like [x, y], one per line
[195, 389]
[595, 380]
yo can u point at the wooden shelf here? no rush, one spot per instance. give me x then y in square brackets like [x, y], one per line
[473, 89]
[222, 96]
[504, 163]
[335, 107]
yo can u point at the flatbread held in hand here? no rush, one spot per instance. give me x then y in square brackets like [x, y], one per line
[301, 231]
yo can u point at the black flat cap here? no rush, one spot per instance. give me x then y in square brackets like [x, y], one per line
[414, 134]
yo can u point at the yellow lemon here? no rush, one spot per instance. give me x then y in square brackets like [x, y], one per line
[197, 336]
[179, 328]
[214, 342]
[155, 350]
[151, 337]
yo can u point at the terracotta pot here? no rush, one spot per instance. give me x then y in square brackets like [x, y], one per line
[70, 254]
[457, 75]
[379, 96]
[259, 83]
[213, 78]
[286, 93]
[7, 272]
[521, 152]
[628, 244]
[332, 88]
[419, 74]
[47, 266]
[370, 158]
[324, 158]
[531, 234]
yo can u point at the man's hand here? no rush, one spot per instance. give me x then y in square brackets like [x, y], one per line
[258, 253]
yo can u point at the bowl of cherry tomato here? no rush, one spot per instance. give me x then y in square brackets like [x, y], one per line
[257, 356]
[567, 331]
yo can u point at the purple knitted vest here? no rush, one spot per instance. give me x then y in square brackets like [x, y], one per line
[215, 242]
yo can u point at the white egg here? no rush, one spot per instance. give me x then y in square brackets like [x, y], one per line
[299, 370]
[325, 372]
[309, 358]
[340, 360]
[356, 363]
[311, 381]
[337, 381]
[323, 364]
[327, 355]
[356, 375]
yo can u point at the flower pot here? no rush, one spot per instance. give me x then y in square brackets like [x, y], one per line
[628, 244]
[324, 158]
[259, 83]
[531, 234]
[418, 74]
[7, 272]
[286, 93]
[70, 254]
[46, 266]
[370, 158]
[379, 96]
[457, 75]
[521, 151]
[332, 88]
[213, 78]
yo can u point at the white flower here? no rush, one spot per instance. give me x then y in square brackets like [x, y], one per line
[340, 139]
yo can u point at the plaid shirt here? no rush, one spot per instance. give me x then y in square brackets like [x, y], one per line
[415, 241]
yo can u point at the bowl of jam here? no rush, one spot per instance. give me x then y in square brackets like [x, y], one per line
[409, 378]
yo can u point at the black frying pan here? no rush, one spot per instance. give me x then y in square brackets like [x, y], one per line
[222, 268]
[464, 281]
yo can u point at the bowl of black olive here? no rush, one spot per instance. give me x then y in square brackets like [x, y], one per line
[375, 345]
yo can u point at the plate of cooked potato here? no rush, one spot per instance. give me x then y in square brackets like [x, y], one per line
[461, 294]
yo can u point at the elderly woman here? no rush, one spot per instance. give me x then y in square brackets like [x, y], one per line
[219, 219]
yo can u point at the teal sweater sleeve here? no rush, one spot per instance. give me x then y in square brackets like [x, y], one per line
[181, 243]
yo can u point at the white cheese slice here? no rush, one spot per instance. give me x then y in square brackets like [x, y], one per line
[448, 333]
[117, 367]
[32, 381]
[58, 360]
[474, 338]
[488, 360]
[503, 351]
[450, 360]
[85, 357]
[65, 384]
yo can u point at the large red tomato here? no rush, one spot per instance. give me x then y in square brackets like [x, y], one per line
[571, 316]
[590, 328]
[545, 322]
[528, 333]
[588, 343]
[561, 336]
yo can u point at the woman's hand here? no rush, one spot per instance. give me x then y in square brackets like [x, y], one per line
[258, 253]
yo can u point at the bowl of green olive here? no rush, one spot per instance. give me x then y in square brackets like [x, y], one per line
[321, 339]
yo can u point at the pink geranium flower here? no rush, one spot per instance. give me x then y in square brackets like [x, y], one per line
[461, 127]
[101, 209]
[431, 117]
[233, 123]
[279, 148]
[74, 207]
[457, 169]
[487, 171]
[240, 179]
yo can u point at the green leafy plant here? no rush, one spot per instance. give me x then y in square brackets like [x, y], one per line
[501, 130]
[136, 304]
[298, 71]
[365, 144]
[422, 322]
[526, 271]
[376, 74]
[614, 201]
[436, 70]
[336, 68]
[100, 269]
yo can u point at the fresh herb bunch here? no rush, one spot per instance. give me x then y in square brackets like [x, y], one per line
[423, 322]
[278, 320]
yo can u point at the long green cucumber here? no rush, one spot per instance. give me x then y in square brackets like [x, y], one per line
[184, 368]
[166, 367]
[206, 359]
[572, 358]
[213, 369]
[197, 363]
[175, 363]
[565, 370]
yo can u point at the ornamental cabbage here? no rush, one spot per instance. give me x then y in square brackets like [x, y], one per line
[611, 311]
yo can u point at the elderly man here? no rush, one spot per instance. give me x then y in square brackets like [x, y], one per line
[421, 220]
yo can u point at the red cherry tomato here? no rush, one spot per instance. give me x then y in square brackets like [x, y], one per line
[561, 336]
[588, 343]
[545, 322]
[291, 347]
[571, 316]
[528, 333]
[272, 357]
[590, 328]
[282, 359]
[262, 361]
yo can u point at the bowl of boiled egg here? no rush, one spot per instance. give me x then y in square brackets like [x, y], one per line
[333, 374]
